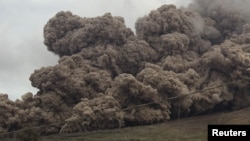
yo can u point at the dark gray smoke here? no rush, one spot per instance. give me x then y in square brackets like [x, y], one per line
[229, 15]
[105, 70]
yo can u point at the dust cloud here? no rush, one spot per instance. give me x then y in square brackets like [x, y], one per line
[105, 70]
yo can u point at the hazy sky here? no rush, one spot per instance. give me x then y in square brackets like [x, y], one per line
[21, 29]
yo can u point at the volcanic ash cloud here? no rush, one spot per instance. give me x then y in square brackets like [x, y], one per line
[181, 62]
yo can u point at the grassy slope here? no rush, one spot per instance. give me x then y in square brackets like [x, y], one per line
[188, 129]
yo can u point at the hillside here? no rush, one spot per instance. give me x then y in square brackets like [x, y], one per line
[188, 129]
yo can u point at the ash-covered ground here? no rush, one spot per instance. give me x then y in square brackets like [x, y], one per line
[199, 54]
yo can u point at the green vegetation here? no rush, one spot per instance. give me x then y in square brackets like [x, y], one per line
[159, 132]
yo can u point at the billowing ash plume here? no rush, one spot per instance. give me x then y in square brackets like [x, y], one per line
[105, 70]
